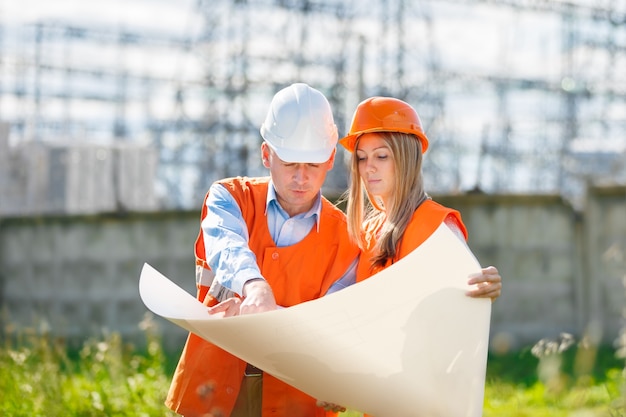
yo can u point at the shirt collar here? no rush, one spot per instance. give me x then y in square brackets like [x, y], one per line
[316, 210]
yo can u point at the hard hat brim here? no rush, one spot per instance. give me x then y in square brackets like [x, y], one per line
[318, 156]
[349, 141]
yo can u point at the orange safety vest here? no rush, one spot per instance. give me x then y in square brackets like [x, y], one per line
[207, 378]
[425, 220]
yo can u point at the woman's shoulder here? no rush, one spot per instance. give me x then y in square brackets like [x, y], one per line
[429, 216]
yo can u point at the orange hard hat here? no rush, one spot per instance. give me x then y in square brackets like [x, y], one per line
[384, 114]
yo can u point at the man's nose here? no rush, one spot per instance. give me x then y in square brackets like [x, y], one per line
[301, 173]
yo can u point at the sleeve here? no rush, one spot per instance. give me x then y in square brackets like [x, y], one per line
[452, 223]
[348, 278]
[225, 235]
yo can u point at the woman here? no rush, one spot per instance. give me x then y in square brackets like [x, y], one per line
[387, 142]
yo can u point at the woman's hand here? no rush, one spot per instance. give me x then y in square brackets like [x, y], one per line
[488, 284]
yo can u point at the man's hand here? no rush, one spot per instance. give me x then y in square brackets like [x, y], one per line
[257, 297]
[230, 307]
[488, 284]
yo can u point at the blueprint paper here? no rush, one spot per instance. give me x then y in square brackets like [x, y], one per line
[406, 342]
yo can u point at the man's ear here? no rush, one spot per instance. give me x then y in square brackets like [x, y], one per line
[265, 155]
[331, 160]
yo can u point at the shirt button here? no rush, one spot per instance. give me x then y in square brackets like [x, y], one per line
[275, 255]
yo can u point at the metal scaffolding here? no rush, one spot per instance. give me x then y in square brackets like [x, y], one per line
[496, 124]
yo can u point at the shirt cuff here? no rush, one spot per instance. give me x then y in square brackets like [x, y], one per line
[242, 277]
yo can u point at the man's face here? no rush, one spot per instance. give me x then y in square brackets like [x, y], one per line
[297, 184]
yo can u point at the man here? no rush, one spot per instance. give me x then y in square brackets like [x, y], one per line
[266, 243]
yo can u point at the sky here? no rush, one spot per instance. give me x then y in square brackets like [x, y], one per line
[174, 16]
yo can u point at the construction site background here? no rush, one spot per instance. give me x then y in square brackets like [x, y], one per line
[111, 132]
[516, 96]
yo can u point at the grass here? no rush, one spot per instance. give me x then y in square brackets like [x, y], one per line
[580, 382]
[42, 376]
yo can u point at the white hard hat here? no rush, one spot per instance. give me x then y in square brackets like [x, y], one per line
[299, 125]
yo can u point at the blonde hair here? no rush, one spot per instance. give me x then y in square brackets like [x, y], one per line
[406, 151]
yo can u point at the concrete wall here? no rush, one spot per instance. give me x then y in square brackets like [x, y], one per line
[533, 242]
[604, 259]
[39, 178]
[563, 270]
[79, 275]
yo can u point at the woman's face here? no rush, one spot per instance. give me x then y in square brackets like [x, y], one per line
[376, 166]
